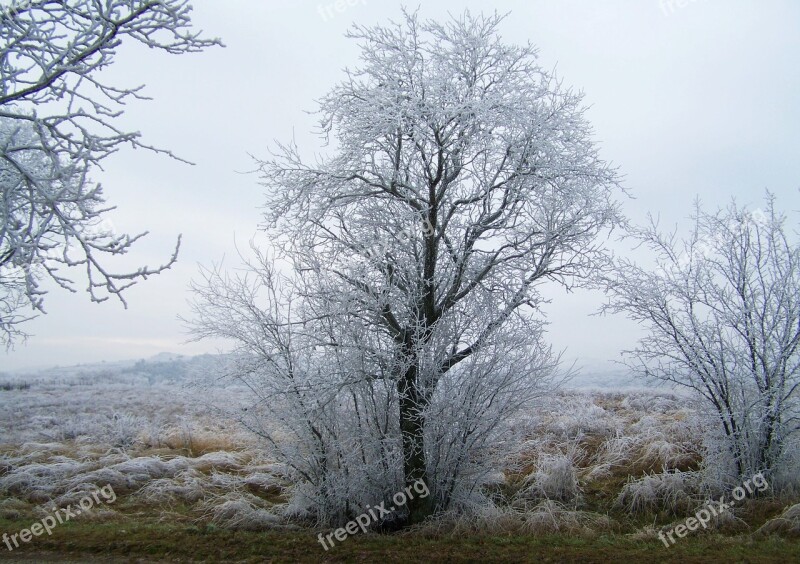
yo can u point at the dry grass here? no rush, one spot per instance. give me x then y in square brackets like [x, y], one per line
[675, 493]
[588, 463]
[787, 524]
[547, 517]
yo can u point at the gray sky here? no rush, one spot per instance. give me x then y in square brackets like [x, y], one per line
[688, 98]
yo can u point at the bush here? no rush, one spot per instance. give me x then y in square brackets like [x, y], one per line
[673, 492]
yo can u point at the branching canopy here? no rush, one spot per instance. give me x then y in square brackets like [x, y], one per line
[58, 121]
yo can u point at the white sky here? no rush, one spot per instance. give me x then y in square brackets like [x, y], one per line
[688, 97]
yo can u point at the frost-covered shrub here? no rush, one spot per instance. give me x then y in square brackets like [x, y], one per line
[238, 510]
[151, 466]
[613, 455]
[552, 517]
[189, 486]
[672, 492]
[42, 480]
[723, 319]
[265, 483]
[576, 415]
[124, 429]
[99, 478]
[664, 442]
[224, 461]
[73, 427]
[555, 479]
[650, 402]
[19, 484]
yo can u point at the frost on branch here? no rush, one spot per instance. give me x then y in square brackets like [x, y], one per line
[57, 123]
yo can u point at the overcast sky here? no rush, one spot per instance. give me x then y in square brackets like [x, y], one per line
[688, 98]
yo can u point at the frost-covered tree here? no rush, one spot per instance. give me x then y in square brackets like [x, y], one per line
[403, 333]
[722, 310]
[58, 121]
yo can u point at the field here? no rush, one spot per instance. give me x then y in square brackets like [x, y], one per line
[598, 475]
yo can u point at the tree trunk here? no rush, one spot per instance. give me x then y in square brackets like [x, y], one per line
[412, 430]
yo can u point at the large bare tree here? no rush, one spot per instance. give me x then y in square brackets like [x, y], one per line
[58, 121]
[461, 177]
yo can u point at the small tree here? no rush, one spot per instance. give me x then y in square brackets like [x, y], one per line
[57, 123]
[463, 177]
[723, 313]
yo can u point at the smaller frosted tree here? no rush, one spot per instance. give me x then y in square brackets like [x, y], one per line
[723, 312]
